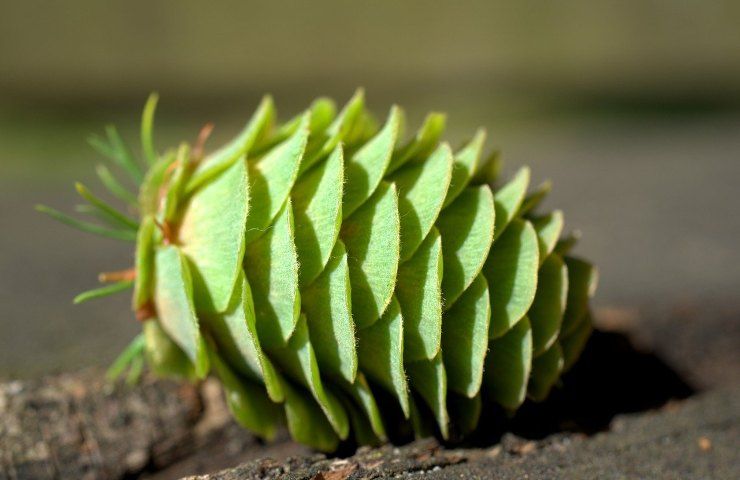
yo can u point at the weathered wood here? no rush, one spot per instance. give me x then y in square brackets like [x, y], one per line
[696, 438]
[220, 442]
[80, 426]
[387, 461]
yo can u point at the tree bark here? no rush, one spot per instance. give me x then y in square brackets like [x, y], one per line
[693, 439]
[80, 426]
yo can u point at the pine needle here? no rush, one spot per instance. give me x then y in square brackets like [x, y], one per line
[103, 291]
[108, 211]
[133, 350]
[114, 186]
[125, 235]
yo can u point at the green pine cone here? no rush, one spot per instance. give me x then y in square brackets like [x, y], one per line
[310, 264]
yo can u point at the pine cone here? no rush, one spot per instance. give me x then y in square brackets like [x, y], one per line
[319, 264]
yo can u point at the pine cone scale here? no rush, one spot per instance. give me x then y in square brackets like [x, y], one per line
[319, 266]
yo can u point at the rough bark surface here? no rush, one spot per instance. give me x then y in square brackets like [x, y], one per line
[695, 440]
[623, 412]
[79, 426]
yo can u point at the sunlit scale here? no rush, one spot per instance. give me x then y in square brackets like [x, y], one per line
[321, 264]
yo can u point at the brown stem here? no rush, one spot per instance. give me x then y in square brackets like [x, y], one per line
[200, 143]
[167, 232]
[146, 312]
[118, 276]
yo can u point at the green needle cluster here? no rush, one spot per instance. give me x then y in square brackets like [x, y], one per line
[316, 264]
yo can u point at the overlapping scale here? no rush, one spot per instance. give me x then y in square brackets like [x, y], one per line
[315, 265]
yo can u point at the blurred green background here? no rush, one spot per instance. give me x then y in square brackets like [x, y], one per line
[632, 108]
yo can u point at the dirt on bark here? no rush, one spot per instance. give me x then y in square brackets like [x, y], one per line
[654, 396]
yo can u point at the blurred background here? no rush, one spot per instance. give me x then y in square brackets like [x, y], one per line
[632, 108]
